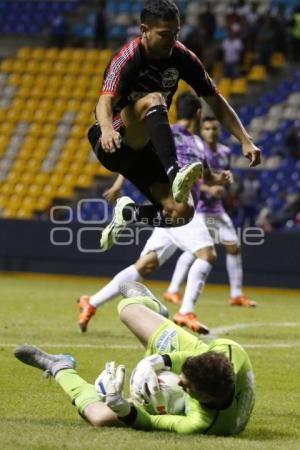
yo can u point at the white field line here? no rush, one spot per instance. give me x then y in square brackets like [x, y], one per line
[215, 332]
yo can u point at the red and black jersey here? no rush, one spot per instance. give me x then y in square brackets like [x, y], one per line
[131, 74]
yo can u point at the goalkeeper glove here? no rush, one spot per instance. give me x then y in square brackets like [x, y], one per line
[109, 385]
[144, 382]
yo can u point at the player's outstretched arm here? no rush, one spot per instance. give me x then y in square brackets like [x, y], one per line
[110, 139]
[113, 193]
[230, 120]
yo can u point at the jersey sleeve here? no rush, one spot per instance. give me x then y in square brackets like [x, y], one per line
[197, 420]
[194, 73]
[120, 71]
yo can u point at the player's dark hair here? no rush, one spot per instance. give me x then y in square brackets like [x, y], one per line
[155, 10]
[211, 373]
[187, 104]
[208, 119]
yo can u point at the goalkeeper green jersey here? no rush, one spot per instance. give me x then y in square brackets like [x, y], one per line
[198, 418]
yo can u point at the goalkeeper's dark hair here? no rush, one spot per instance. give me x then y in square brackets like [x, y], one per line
[210, 372]
[155, 10]
[187, 104]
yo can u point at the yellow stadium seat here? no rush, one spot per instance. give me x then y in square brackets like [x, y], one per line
[278, 60]
[15, 79]
[93, 96]
[41, 178]
[4, 199]
[74, 67]
[28, 178]
[224, 86]
[75, 168]
[35, 190]
[239, 86]
[33, 165]
[43, 203]
[78, 55]
[7, 128]
[46, 104]
[55, 81]
[9, 212]
[56, 180]
[36, 129]
[79, 92]
[51, 53]
[15, 201]
[62, 166]
[13, 177]
[257, 73]
[3, 114]
[104, 172]
[20, 189]
[64, 192]
[54, 116]
[84, 181]
[59, 105]
[26, 116]
[46, 67]
[41, 81]
[60, 67]
[69, 81]
[19, 166]
[29, 202]
[73, 105]
[41, 115]
[24, 213]
[91, 168]
[65, 54]
[78, 131]
[32, 104]
[4, 140]
[65, 93]
[7, 188]
[38, 92]
[38, 53]
[24, 53]
[32, 66]
[70, 180]
[49, 190]
[7, 65]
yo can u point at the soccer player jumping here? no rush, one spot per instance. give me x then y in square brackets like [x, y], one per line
[132, 135]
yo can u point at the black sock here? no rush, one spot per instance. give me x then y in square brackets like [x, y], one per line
[161, 136]
[147, 214]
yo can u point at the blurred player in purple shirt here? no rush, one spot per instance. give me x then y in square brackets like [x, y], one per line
[210, 208]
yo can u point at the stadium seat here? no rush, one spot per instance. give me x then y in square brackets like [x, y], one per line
[239, 86]
[257, 73]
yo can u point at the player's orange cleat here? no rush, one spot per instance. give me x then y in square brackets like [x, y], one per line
[87, 311]
[190, 320]
[242, 300]
[175, 298]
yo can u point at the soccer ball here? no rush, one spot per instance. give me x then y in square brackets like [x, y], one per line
[169, 400]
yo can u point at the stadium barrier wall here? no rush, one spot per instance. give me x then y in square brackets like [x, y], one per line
[35, 246]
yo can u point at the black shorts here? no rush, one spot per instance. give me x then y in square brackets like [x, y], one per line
[141, 167]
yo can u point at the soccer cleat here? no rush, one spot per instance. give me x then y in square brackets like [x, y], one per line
[110, 233]
[175, 298]
[190, 321]
[50, 364]
[87, 311]
[242, 300]
[134, 289]
[184, 180]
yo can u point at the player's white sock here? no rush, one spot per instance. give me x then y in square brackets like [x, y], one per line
[112, 288]
[235, 274]
[195, 283]
[183, 264]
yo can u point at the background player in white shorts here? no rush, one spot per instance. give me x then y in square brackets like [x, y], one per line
[163, 242]
[211, 210]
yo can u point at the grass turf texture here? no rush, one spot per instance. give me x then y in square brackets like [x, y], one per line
[36, 414]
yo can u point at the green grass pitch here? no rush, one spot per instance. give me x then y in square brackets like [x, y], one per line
[36, 414]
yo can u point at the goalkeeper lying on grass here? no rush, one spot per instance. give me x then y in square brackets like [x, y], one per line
[217, 378]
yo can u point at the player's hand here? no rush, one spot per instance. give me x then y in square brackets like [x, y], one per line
[253, 153]
[217, 191]
[110, 140]
[144, 382]
[112, 194]
[109, 385]
[226, 177]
